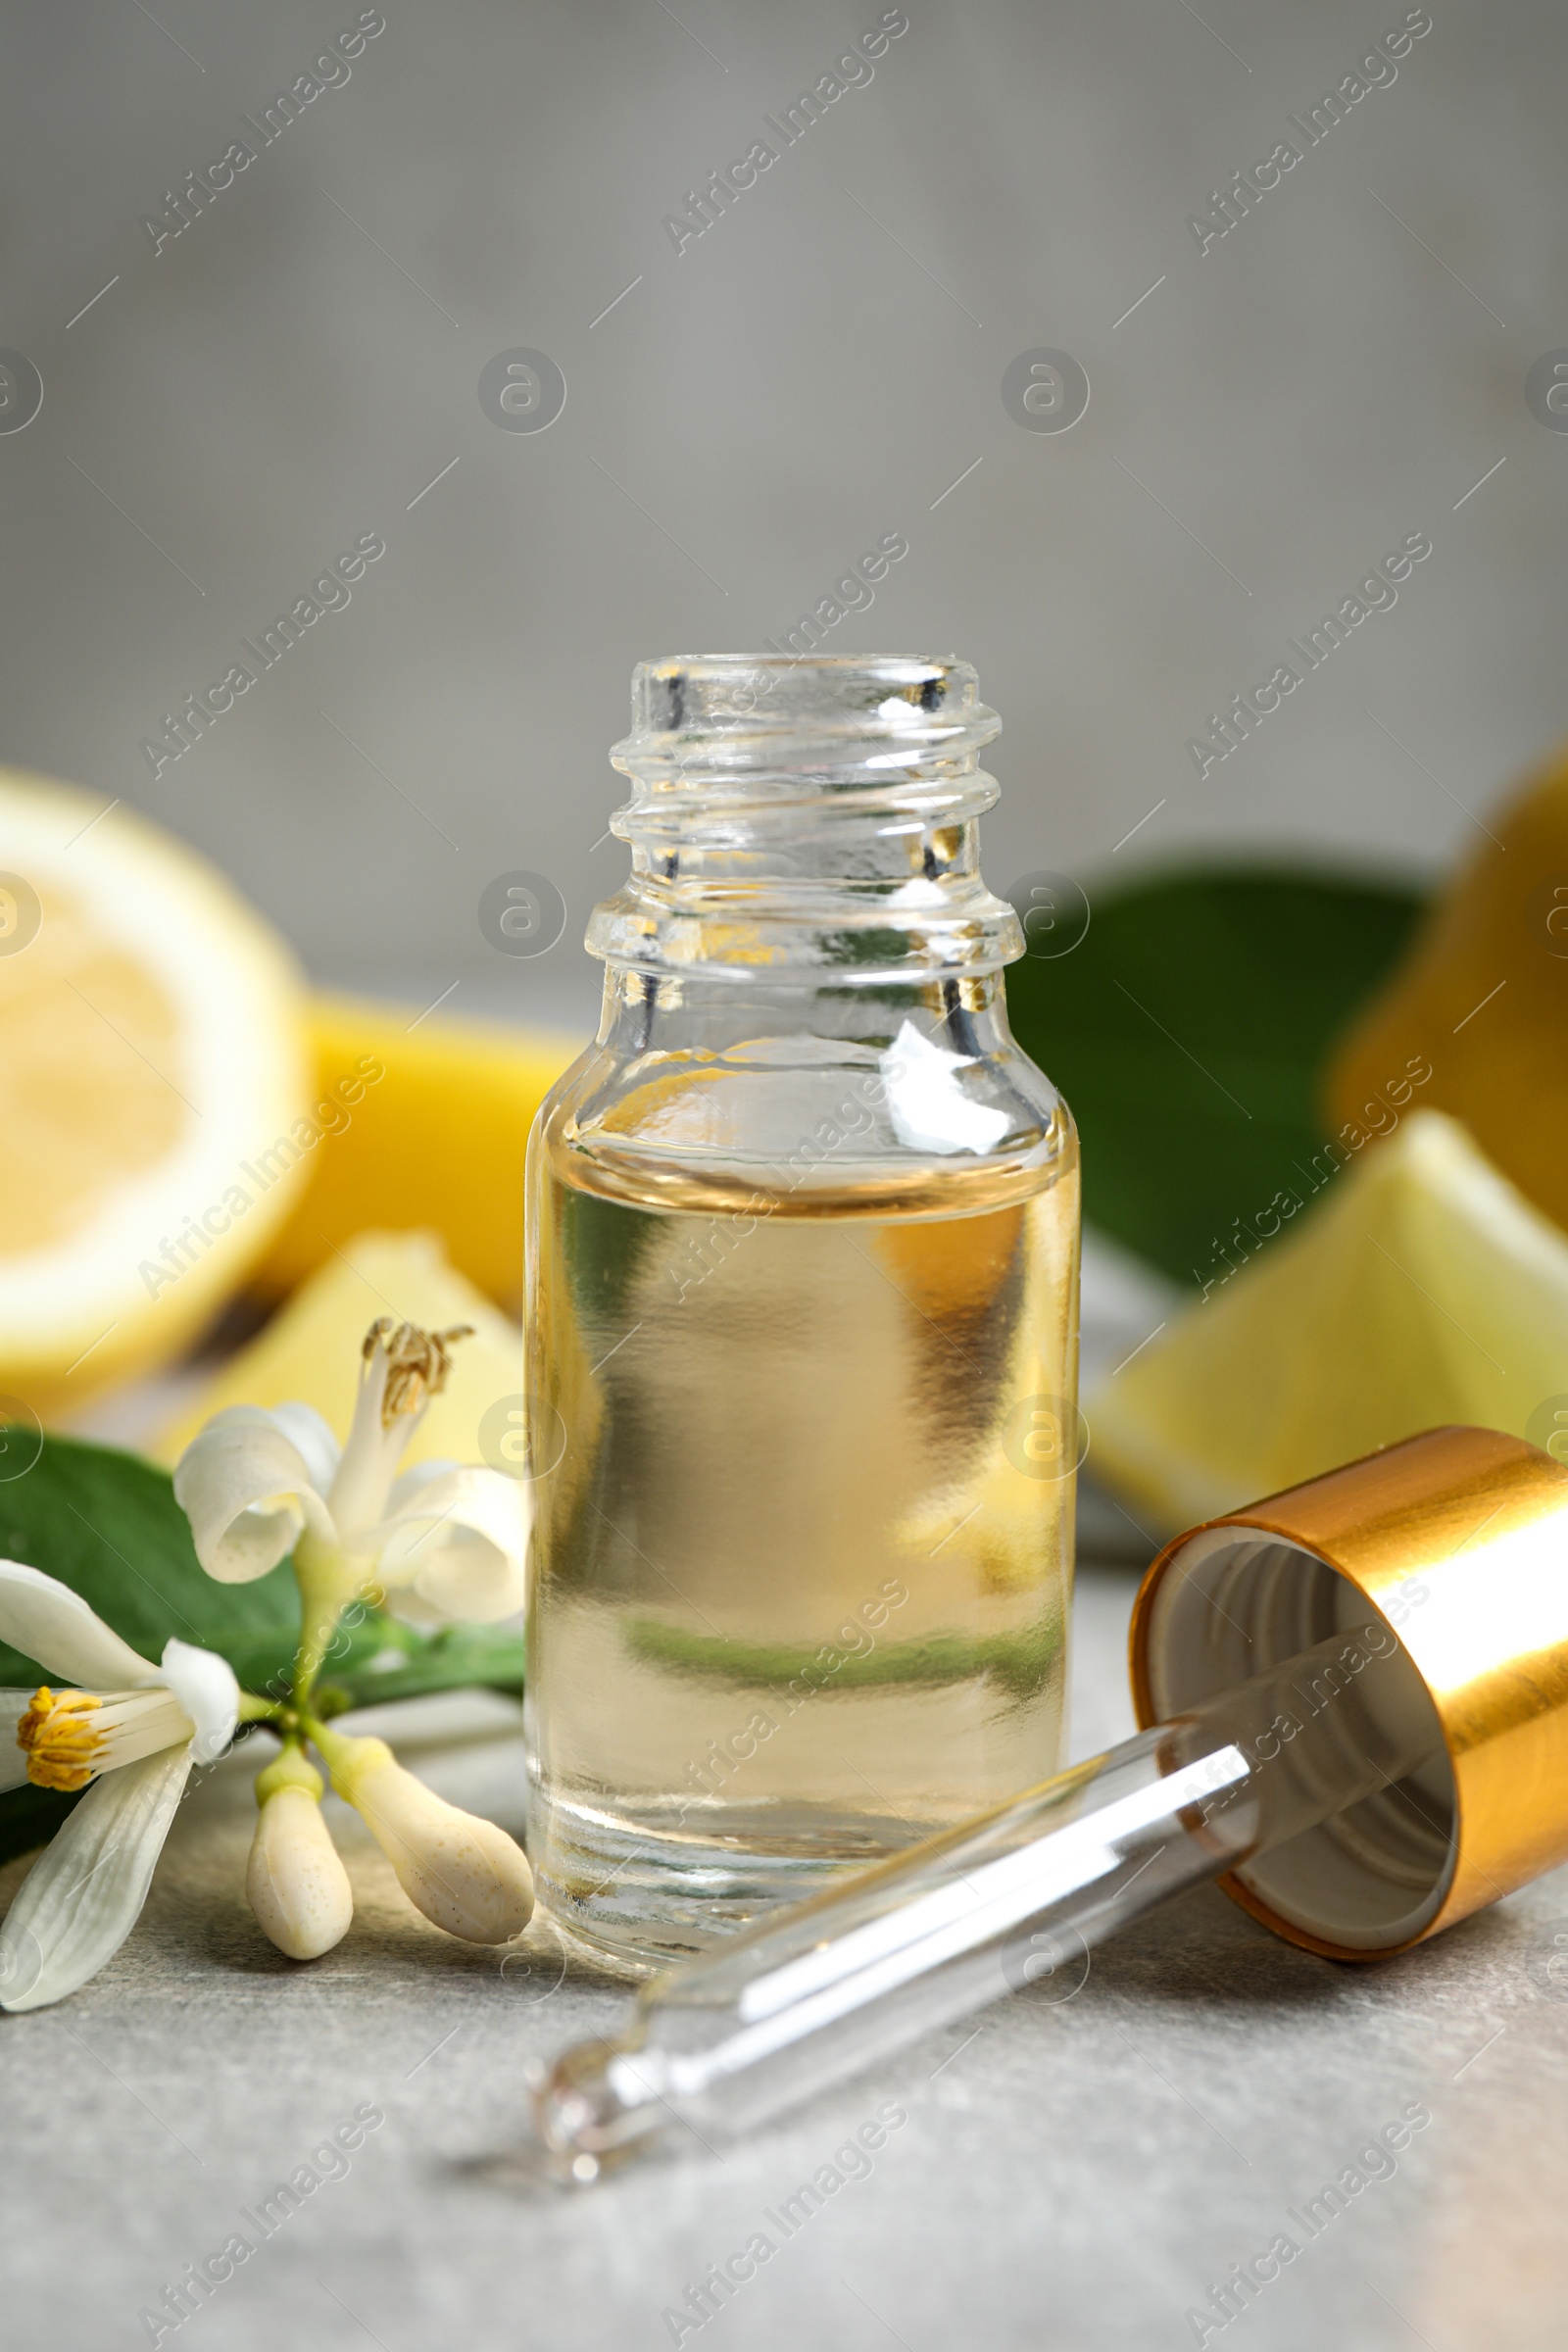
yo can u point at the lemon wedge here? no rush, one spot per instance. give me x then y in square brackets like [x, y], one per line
[310, 1353]
[151, 1073]
[1420, 1289]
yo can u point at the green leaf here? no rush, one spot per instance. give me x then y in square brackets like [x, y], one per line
[1187, 1030]
[461, 1658]
[106, 1524]
[30, 1817]
[1020, 1663]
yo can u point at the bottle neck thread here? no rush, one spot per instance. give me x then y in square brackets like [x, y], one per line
[799, 818]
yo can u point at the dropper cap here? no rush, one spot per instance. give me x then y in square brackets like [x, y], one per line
[1458, 1541]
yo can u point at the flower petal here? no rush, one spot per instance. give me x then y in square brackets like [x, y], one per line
[84, 1893]
[459, 1540]
[45, 1620]
[248, 1491]
[14, 1705]
[206, 1688]
[414, 1481]
[310, 1433]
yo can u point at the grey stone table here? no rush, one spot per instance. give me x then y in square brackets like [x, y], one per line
[1071, 2174]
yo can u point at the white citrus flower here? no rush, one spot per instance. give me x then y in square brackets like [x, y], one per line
[443, 1542]
[129, 1729]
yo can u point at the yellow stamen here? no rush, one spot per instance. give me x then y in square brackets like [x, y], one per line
[69, 1736]
[418, 1363]
[61, 1745]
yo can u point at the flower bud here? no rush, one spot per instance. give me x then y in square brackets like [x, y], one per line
[465, 1875]
[296, 1881]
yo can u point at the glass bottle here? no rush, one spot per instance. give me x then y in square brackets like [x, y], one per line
[802, 1319]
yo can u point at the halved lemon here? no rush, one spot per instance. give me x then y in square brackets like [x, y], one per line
[154, 1079]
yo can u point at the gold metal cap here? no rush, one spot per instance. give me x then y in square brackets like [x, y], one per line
[1458, 1540]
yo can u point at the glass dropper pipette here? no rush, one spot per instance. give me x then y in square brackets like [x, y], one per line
[812, 1996]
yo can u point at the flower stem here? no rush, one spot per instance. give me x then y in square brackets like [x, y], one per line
[328, 1583]
[334, 1745]
[253, 1708]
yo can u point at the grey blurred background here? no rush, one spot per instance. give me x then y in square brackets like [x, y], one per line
[814, 372]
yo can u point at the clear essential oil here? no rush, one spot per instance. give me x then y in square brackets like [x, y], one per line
[805, 1564]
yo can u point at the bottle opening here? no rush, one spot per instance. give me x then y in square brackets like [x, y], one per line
[688, 706]
[807, 814]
